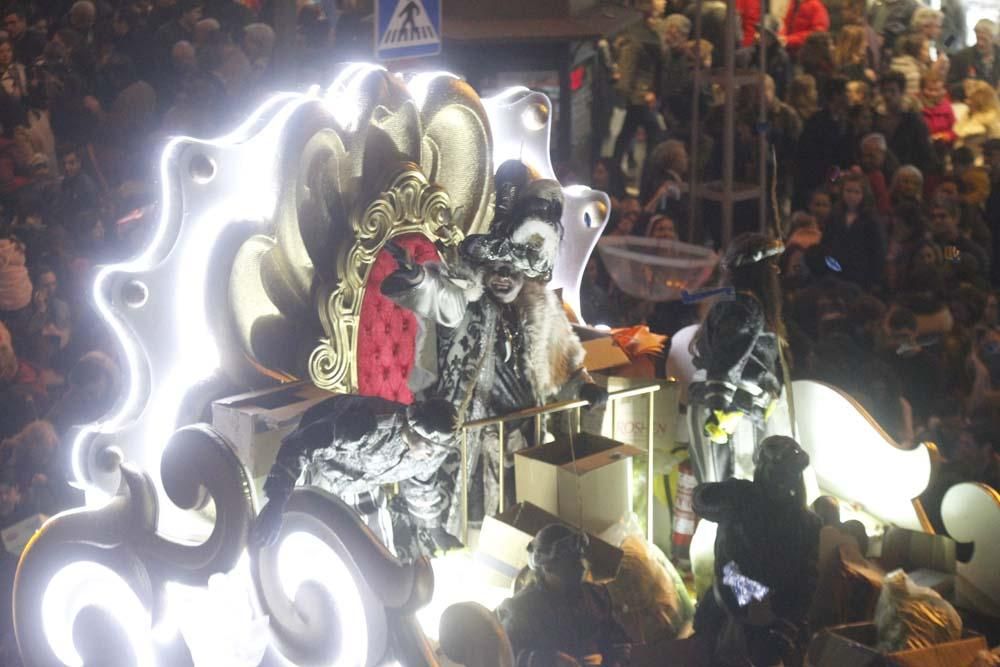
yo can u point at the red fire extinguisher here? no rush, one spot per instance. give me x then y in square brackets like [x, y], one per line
[684, 517]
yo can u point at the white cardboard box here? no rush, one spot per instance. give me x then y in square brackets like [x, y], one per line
[598, 485]
[16, 536]
[256, 422]
[503, 545]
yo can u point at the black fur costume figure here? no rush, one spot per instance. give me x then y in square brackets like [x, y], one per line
[493, 338]
[352, 446]
[737, 354]
[560, 616]
[766, 560]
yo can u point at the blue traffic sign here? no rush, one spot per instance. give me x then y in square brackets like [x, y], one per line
[407, 28]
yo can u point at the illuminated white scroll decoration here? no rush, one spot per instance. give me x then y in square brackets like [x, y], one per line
[157, 562]
[522, 124]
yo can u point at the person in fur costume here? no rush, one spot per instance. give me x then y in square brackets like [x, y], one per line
[493, 339]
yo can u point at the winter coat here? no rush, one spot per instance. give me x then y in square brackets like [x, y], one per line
[860, 248]
[803, 18]
[968, 64]
[640, 59]
[749, 11]
[910, 142]
[891, 18]
[912, 69]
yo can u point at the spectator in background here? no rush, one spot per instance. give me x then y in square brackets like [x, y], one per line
[928, 22]
[803, 18]
[904, 130]
[991, 161]
[816, 58]
[820, 207]
[980, 61]
[825, 143]
[13, 78]
[910, 61]
[891, 19]
[749, 11]
[854, 14]
[777, 62]
[664, 179]
[803, 96]
[607, 177]
[945, 218]
[177, 30]
[853, 236]
[970, 219]
[784, 128]
[907, 186]
[640, 60]
[77, 207]
[28, 44]
[983, 119]
[936, 109]
[973, 182]
[851, 54]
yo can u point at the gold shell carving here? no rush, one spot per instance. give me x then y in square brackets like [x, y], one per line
[410, 204]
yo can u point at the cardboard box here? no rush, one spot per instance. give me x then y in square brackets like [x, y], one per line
[16, 536]
[598, 483]
[854, 645]
[603, 353]
[256, 422]
[503, 545]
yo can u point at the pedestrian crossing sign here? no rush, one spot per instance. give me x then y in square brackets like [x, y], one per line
[407, 28]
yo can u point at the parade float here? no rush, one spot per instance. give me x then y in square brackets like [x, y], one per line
[257, 298]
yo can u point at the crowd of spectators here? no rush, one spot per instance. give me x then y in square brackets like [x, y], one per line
[883, 163]
[883, 132]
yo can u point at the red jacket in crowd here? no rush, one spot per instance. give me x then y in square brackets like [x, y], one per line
[749, 11]
[940, 120]
[803, 18]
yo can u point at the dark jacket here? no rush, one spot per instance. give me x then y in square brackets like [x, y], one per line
[911, 142]
[859, 249]
[825, 143]
[968, 64]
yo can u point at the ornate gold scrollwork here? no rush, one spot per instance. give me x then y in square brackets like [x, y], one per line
[410, 204]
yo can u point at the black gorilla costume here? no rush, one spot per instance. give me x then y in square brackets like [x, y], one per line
[766, 553]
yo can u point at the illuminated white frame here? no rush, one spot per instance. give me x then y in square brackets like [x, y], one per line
[156, 305]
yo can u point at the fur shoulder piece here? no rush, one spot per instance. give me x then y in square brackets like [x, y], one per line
[554, 353]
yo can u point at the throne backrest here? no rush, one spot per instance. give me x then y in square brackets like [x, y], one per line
[387, 333]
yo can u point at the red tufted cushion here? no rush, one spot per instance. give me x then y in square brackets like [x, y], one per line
[387, 334]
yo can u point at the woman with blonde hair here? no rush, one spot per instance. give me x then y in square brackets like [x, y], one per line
[983, 119]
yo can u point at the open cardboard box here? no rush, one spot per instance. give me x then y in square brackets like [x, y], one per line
[596, 489]
[503, 545]
[603, 353]
[854, 646]
[256, 422]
